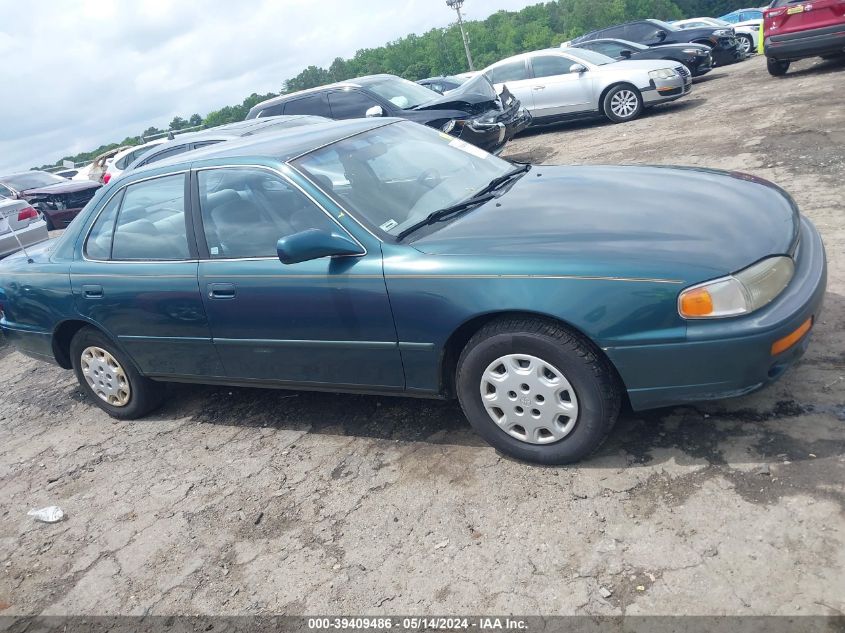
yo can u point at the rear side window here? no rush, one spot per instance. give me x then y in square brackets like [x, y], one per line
[315, 104]
[550, 65]
[349, 104]
[151, 221]
[98, 244]
[512, 71]
[173, 151]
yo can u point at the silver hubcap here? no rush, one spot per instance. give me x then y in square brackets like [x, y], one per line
[529, 399]
[105, 376]
[624, 103]
[744, 44]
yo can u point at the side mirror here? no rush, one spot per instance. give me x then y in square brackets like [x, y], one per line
[661, 35]
[578, 68]
[626, 53]
[314, 244]
[375, 111]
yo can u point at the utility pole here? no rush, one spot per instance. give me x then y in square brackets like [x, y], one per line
[456, 5]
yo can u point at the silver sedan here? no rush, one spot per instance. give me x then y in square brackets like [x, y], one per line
[567, 83]
[20, 226]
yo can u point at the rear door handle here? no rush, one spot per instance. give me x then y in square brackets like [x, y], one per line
[92, 291]
[539, 87]
[221, 291]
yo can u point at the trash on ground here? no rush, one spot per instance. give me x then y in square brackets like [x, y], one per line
[50, 514]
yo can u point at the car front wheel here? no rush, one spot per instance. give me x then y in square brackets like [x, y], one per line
[622, 103]
[109, 379]
[776, 67]
[536, 391]
[746, 44]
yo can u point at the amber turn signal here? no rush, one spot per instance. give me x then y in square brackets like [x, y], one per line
[781, 345]
[696, 303]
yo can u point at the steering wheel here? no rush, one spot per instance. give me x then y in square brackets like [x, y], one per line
[430, 178]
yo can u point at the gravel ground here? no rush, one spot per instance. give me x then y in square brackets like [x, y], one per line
[232, 501]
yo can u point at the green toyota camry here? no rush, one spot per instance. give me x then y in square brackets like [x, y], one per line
[380, 256]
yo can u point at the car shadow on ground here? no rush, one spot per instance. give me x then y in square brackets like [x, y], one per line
[687, 433]
[820, 67]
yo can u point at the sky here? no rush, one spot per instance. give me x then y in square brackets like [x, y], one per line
[77, 74]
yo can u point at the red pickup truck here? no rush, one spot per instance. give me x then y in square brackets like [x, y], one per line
[797, 29]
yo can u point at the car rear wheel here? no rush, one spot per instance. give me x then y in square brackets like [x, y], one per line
[777, 68]
[622, 103]
[536, 391]
[109, 379]
[746, 44]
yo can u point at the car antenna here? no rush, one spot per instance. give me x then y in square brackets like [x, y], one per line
[29, 259]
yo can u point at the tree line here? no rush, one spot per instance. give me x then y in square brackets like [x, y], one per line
[440, 51]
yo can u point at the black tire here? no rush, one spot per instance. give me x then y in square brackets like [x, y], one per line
[607, 103]
[777, 68]
[589, 373]
[144, 394]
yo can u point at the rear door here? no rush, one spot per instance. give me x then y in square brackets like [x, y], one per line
[791, 16]
[137, 279]
[518, 79]
[557, 89]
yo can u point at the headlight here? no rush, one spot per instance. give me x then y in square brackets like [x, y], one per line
[663, 73]
[449, 126]
[722, 32]
[695, 51]
[741, 293]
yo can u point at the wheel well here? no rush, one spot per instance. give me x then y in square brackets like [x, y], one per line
[62, 336]
[611, 87]
[461, 336]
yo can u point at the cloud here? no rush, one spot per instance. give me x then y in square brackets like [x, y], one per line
[81, 73]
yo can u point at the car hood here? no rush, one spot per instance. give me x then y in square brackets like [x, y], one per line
[71, 186]
[478, 91]
[670, 222]
[639, 64]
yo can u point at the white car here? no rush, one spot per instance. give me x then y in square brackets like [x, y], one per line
[126, 157]
[748, 33]
[570, 83]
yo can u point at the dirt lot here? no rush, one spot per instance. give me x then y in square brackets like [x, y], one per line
[249, 501]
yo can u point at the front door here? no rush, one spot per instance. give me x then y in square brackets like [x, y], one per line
[557, 89]
[322, 322]
[137, 279]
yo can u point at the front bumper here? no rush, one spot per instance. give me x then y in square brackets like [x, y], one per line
[816, 42]
[663, 90]
[493, 136]
[700, 64]
[723, 358]
[33, 234]
[724, 55]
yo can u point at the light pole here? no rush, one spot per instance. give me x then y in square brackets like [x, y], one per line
[456, 5]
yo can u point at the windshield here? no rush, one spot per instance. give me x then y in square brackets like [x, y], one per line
[591, 57]
[31, 180]
[401, 92]
[395, 176]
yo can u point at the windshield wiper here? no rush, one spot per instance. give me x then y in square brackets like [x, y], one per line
[484, 195]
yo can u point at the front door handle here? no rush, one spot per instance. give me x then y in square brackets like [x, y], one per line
[221, 291]
[539, 87]
[92, 291]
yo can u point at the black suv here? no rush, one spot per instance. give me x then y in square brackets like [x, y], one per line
[723, 41]
[474, 112]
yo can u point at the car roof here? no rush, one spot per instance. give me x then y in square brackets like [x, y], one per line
[357, 82]
[282, 145]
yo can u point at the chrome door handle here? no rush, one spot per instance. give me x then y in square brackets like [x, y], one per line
[539, 87]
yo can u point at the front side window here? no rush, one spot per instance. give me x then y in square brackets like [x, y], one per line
[551, 65]
[245, 212]
[315, 104]
[151, 221]
[510, 71]
[350, 104]
[396, 175]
